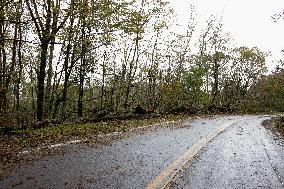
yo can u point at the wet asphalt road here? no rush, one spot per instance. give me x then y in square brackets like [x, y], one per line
[244, 156]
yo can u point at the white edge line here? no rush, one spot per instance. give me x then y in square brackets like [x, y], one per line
[53, 146]
[101, 135]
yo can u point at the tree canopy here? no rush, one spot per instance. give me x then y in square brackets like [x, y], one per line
[64, 60]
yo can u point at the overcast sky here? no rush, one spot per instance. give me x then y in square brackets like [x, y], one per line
[248, 21]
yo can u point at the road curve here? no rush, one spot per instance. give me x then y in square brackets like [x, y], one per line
[136, 161]
[166, 177]
[244, 156]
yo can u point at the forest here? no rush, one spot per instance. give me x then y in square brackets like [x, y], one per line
[69, 60]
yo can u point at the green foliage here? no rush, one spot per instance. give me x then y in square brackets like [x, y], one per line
[173, 97]
[192, 87]
[267, 93]
[280, 123]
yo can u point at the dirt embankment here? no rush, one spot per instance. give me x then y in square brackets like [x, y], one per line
[276, 125]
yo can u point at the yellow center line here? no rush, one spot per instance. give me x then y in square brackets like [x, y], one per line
[164, 179]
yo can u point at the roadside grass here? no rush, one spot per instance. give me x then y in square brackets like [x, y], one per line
[13, 143]
[280, 123]
[30, 138]
[275, 124]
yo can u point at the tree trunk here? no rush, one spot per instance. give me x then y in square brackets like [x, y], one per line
[82, 67]
[49, 78]
[20, 72]
[3, 99]
[40, 78]
[130, 77]
[103, 82]
[216, 80]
